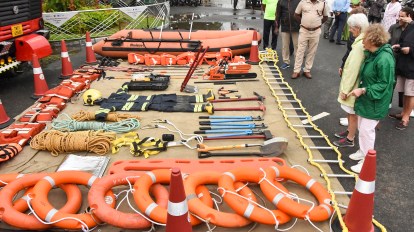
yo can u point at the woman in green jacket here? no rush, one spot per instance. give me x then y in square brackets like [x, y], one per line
[375, 89]
[357, 23]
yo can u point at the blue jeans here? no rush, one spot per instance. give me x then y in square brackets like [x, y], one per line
[338, 26]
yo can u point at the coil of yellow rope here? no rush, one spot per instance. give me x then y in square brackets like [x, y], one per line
[112, 116]
[60, 142]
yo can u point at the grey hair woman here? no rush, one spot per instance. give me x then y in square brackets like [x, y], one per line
[357, 23]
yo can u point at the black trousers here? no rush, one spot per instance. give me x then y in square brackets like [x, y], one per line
[373, 19]
[338, 26]
[269, 27]
[235, 3]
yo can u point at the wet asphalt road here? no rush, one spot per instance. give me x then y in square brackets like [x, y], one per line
[394, 184]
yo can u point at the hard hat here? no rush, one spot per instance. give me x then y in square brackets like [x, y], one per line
[90, 96]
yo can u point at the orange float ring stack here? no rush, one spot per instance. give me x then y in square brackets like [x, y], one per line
[104, 212]
[244, 207]
[13, 217]
[48, 213]
[196, 206]
[147, 205]
[319, 213]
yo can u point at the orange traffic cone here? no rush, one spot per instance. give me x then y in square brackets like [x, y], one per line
[40, 84]
[90, 54]
[177, 218]
[5, 120]
[358, 216]
[254, 50]
[67, 69]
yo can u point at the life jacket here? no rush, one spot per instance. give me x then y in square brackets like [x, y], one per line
[20, 132]
[8, 151]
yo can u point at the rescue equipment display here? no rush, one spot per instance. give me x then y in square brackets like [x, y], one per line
[175, 42]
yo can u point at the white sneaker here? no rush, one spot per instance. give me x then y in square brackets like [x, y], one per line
[390, 106]
[357, 168]
[412, 114]
[357, 155]
[343, 121]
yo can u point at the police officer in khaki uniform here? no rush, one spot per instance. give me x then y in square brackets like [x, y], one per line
[311, 14]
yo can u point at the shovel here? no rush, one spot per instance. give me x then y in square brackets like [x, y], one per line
[273, 147]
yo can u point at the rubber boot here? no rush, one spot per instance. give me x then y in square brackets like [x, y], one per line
[208, 96]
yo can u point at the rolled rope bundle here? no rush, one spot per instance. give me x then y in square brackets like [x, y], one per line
[56, 142]
[123, 126]
[111, 117]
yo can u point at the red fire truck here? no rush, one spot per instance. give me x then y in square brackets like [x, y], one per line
[22, 33]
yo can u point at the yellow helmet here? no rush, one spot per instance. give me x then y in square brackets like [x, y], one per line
[90, 96]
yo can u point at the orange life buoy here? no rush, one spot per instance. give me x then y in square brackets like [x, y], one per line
[20, 204]
[244, 207]
[216, 217]
[145, 202]
[47, 212]
[9, 177]
[13, 217]
[319, 213]
[114, 217]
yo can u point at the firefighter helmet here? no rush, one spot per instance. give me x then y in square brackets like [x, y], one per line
[90, 96]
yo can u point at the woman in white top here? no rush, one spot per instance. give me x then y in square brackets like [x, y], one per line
[391, 14]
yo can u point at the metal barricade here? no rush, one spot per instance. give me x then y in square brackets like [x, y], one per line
[72, 25]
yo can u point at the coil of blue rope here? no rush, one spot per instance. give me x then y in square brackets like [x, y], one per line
[69, 124]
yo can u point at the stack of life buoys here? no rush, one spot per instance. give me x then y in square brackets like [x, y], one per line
[103, 203]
